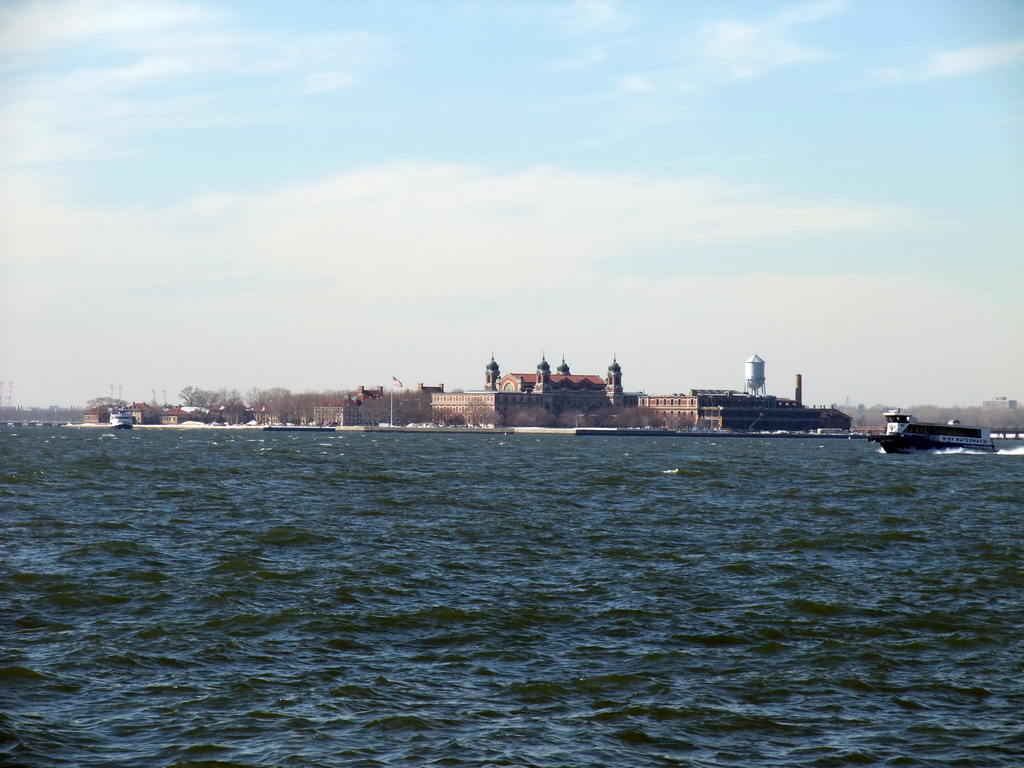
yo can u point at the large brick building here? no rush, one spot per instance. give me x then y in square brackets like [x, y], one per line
[519, 399]
[532, 397]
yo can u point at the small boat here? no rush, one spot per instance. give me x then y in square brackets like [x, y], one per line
[121, 420]
[905, 434]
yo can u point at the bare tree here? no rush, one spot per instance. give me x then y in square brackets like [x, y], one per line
[194, 396]
[302, 404]
[529, 417]
[110, 403]
[227, 396]
[255, 398]
[570, 417]
[415, 407]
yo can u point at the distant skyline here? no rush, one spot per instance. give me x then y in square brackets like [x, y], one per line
[321, 195]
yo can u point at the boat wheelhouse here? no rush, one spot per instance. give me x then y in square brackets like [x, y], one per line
[905, 434]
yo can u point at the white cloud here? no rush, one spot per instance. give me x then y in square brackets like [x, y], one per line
[635, 84]
[419, 254]
[394, 234]
[421, 215]
[744, 50]
[961, 61]
[586, 15]
[430, 221]
[738, 50]
[137, 59]
[581, 61]
[573, 18]
[653, 82]
[43, 25]
[323, 82]
[809, 13]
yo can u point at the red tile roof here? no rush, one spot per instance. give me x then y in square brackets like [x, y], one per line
[555, 378]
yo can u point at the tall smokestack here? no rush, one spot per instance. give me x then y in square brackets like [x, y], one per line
[799, 389]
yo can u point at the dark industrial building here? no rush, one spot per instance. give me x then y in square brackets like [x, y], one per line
[741, 411]
[750, 410]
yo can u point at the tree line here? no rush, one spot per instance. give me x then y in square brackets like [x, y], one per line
[299, 407]
[999, 420]
[414, 407]
[295, 407]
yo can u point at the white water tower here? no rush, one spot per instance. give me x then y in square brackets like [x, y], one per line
[754, 372]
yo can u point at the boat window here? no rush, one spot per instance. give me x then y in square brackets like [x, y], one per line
[940, 429]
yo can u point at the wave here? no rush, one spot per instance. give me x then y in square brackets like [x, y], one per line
[1019, 451]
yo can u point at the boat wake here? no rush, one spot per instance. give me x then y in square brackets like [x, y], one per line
[1015, 451]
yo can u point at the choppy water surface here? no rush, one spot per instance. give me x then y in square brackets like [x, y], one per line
[240, 598]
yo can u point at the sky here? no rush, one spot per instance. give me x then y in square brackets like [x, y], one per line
[320, 195]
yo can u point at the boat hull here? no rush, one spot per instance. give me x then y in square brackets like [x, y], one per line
[921, 443]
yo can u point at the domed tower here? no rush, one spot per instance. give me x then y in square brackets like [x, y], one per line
[613, 383]
[491, 375]
[543, 374]
[563, 369]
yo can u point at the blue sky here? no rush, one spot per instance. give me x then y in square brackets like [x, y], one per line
[318, 195]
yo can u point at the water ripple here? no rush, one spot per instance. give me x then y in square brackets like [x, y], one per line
[187, 599]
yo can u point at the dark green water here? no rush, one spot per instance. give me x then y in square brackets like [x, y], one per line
[240, 598]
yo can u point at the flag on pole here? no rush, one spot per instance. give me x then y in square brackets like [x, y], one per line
[396, 383]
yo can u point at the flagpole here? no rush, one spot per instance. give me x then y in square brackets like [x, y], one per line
[394, 383]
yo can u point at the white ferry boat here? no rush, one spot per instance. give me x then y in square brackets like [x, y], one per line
[121, 420]
[905, 434]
